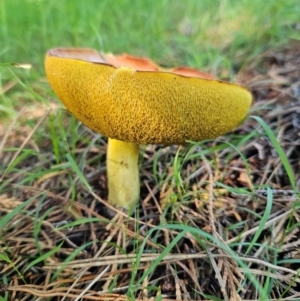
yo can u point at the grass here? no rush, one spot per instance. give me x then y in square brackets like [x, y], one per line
[217, 220]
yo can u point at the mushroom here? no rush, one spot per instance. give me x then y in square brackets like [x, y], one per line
[133, 107]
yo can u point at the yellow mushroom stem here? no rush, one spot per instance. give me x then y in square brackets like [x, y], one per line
[123, 173]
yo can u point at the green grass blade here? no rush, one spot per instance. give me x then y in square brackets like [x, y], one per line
[43, 257]
[154, 264]
[4, 220]
[5, 258]
[184, 229]
[279, 150]
[70, 258]
[78, 172]
[263, 220]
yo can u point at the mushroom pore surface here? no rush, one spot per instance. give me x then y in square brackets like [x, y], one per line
[146, 107]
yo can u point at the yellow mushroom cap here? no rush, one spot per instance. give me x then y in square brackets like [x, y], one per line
[144, 106]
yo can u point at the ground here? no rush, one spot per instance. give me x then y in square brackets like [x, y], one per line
[217, 218]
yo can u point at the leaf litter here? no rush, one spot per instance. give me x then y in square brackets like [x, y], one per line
[235, 188]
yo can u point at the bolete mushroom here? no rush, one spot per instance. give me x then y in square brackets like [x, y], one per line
[133, 107]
